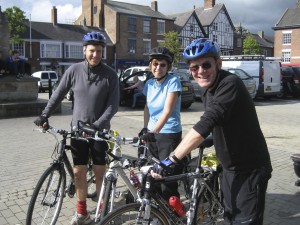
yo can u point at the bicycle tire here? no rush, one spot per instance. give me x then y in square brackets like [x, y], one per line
[47, 197]
[208, 210]
[106, 198]
[127, 214]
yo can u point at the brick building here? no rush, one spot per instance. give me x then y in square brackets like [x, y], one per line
[133, 29]
[287, 36]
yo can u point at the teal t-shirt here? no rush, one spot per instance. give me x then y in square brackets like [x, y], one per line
[156, 95]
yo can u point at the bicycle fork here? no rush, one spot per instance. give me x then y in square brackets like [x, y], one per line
[191, 212]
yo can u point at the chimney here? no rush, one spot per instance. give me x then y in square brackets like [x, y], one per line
[154, 6]
[54, 15]
[208, 4]
[261, 34]
[298, 4]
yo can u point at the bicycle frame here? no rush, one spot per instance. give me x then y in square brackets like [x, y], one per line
[116, 169]
[200, 183]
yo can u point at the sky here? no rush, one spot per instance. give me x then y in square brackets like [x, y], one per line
[254, 15]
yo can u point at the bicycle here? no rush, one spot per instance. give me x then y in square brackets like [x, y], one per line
[51, 188]
[205, 205]
[47, 198]
[116, 168]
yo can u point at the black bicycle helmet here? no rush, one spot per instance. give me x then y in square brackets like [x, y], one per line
[161, 53]
[94, 38]
[202, 47]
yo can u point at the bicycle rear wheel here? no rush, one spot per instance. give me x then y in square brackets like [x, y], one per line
[47, 197]
[128, 214]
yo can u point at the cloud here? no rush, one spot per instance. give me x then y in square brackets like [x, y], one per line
[67, 13]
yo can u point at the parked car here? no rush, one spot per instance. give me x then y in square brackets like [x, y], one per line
[296, 70]
[266, 73]
[44, 77]
[187, 95]
[69, 96]
[288, 85]
[197, 89]
[246, 78]
[132, 70]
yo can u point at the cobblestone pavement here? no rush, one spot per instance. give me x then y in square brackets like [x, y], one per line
[26, 154]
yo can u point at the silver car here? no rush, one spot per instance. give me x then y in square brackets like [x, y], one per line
[246, 78]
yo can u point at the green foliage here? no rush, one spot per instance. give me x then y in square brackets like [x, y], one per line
[172, 43]
[251, 47]
[16, 20]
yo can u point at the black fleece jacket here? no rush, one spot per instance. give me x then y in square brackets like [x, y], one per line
[231, 116]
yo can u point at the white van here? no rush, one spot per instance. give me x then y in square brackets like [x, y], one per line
[44, 77]
[266, 73]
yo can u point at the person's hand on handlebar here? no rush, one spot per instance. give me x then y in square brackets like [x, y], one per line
[42, 122]
[148, 137]
[143, 131]
[163, 168]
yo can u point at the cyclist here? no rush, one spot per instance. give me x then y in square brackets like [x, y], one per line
[239, 142]
[96, 99]
[162, 123]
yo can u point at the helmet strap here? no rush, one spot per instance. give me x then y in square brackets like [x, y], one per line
[160, 78]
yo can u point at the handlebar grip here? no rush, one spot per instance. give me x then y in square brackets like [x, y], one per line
[88, 129]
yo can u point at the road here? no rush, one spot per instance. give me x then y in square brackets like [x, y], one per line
[26, 154]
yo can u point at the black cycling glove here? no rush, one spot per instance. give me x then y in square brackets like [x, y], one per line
[42, 121]
[143, 131]
[148, 137]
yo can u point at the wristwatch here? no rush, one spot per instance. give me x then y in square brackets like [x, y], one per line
[173, 156]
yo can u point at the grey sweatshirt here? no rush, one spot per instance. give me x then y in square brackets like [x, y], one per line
[96, 94]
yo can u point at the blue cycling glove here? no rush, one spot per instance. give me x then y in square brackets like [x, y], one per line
[165, 167]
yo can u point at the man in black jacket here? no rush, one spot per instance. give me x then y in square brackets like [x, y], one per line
[239, 142]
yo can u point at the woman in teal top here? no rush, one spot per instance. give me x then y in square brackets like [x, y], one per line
[162, 111]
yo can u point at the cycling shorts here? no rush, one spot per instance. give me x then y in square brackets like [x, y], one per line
[81, 150]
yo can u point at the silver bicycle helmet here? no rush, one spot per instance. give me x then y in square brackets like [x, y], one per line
[161, 53]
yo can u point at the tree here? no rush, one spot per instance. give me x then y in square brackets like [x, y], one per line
[173, 44]
[251, 47]
[16, 23]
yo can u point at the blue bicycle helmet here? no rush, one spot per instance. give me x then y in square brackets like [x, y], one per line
[161, 53]
[202, 47]
[94, 38]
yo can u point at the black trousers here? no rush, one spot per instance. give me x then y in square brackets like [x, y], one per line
[161, 149]
[244, 196]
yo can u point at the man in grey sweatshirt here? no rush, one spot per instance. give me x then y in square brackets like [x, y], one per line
[96, 99]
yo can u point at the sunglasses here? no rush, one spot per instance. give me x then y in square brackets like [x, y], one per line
[205, 66]
[159, 64]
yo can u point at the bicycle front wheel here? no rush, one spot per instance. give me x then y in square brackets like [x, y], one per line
[209, 208]
[47, 197]
[128, 214]
[106, 198]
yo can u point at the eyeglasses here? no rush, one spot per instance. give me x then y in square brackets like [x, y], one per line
[159, 64]
[205, 66]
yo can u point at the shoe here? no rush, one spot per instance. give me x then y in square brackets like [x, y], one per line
[81, 219]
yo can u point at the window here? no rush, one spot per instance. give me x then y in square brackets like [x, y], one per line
[227, 28]
[286, 55]
[20, 48]
[146, 46]
[287, 38]
[215, 26]
[147, 25]
[50, 50]
[132, 24]
[239, 43]
[192, 28]
[215, 38]
[73, 51]
[160, 26]
[95, 9]
[131, 46]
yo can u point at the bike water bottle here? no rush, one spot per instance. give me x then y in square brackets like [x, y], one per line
[177, 205]
[135, 180]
